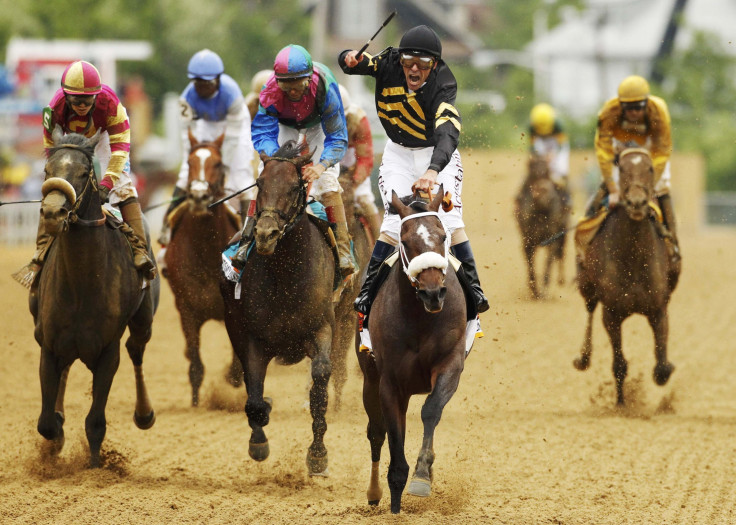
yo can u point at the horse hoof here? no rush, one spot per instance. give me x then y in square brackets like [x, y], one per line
[373, 502]
[374, 496]
[56, 445]
[581, 363]
[94, 461]
[317, 466]
[60, 417]
[420, 487]
[259, 451]
[663, 372]
[144, 422]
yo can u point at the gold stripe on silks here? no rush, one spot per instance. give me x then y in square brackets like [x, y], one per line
[403, 126]
[411, 98]
[455, 122]
[398, 106]
[392, 91]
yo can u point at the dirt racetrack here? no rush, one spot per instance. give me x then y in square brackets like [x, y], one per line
[527, 439]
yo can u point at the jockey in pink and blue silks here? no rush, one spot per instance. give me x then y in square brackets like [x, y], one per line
[302, 99]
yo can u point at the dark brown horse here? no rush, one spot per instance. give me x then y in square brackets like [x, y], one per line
[282, 307]
[85, 297]
[627, 269]
[194, 255]
[345, 315]
[541, 215]
[417, 327]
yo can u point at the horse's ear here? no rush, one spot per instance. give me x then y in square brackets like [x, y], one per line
[57, 134]
[219, 140]
[192, 139]
[437, 200]
[95, 139]
[264, 158]
[402, 209]
[304, 159]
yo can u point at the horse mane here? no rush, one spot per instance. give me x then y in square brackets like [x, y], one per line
[73, 139]
[289, 150]
[412, 202]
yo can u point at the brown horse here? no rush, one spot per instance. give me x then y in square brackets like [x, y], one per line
[194, 255]
[541, 215]
[417, 327]
[345, 315]
[282, 307]
[86, 295]
[627, 269]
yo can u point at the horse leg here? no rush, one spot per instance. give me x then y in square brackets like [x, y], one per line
[234, 375]
[612, 323]
[444, 387]
[191, 329]
[583, 362]
[140, 333]
[393, 406]
[376, 430]
[50, 422]
[560, 256]
[95, 424]
[548, 266]
[531, 276]
[256, 408]
[339, 351]
[59, 408]
[321, 371]
[660, 325]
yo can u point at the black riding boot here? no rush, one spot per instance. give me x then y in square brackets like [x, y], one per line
[464, 254]
[668, 213]
[596, 202]
[381, 250]
[176, 199]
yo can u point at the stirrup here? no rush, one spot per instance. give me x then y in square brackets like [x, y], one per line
[26, 275]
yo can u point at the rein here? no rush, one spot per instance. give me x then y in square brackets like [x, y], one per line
[424, 260]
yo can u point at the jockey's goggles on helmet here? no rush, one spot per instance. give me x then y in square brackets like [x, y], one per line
[287, 84]
[80, 100]
[422, 62]
[634, 106]
[205, 82]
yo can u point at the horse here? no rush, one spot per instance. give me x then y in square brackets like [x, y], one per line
[417, 327]
[627, 269]
[86, 295]
[282, 306]
[345, 316]
[541, 215]
[194, 255]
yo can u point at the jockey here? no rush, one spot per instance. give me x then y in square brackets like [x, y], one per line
[302, 99]
[213, 104]
[84, 105]
[635, 118]
[548, 139]
[415, 99]
[358, 161]
[257, 84]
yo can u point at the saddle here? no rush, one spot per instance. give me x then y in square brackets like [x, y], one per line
[385, 268]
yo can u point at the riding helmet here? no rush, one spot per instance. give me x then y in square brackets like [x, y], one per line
[206, 65]
[81, 78]
[542, 119]
[421, 40]
[633, 89]
[293, 61]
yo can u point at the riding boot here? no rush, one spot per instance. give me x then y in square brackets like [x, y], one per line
[464, 254]
[133, 217]
[596, 201]
[246, 235]
[28, 273]
[381, 250]
[668, 213]
[336, 214]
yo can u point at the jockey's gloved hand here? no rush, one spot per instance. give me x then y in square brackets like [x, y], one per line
[103, 191]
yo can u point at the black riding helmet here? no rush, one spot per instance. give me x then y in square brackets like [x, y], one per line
[421, 40]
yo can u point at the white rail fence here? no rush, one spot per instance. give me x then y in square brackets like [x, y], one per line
[19, 223]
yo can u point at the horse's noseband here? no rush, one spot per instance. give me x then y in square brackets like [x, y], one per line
[72, 217]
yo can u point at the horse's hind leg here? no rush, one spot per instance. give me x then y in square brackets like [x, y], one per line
[660, 325]
[140, 333]
[95, 424]
[321, 371]
[234, 374]
[612, 323]
[583, 362]
[444, 388]
[59, 408]
[50, 422]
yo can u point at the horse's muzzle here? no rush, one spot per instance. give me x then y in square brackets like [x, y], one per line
[267, 235]
[433, 300]
[54, 215]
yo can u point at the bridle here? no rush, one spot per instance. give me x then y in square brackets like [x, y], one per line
[215, 190]
[427, 259]
[296, 206]
[91, 182]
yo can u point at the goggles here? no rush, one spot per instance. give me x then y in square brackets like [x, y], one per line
[408, 61]
[634, 106]
[204, 82]
[80, 100]
[288, 84]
